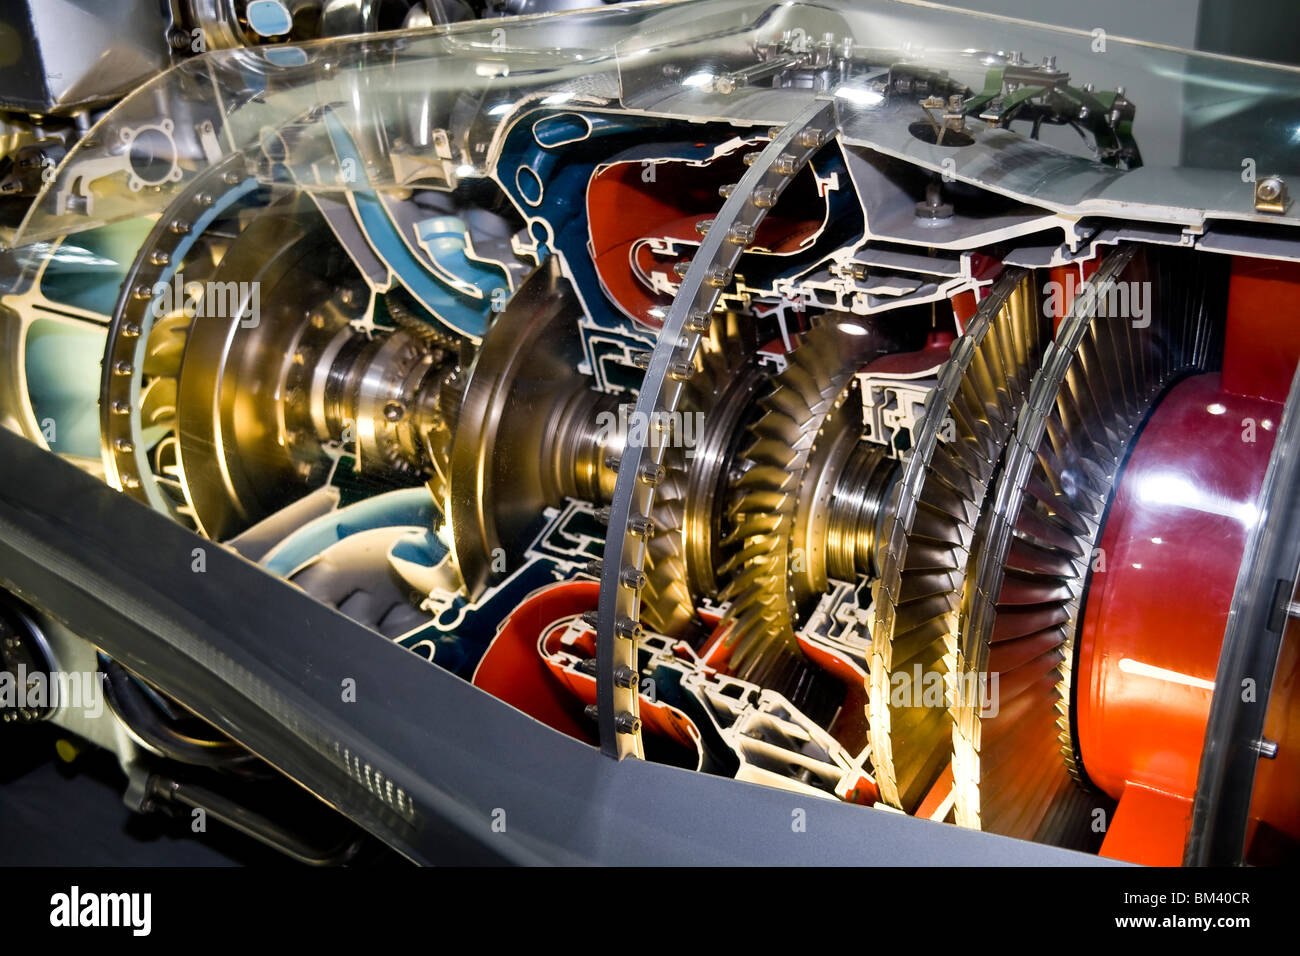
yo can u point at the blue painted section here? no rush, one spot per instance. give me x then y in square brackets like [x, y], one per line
[218, 208]
[464, 314]
[409, 507]
[269, 18]
[285, 55]
[444, 239]
[564, 172]
[62, 366]
[461, 635]
[460, 650]
[424, 549]
[86, 270]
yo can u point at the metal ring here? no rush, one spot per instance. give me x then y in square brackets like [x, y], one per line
[710, 272]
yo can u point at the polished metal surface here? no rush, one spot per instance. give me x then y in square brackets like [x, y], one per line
[692, 312]
[969, 418]
[500, 479]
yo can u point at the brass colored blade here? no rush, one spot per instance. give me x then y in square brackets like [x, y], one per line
[969, 418]
[1024, 586]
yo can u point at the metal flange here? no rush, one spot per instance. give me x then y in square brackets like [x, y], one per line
[710, 272]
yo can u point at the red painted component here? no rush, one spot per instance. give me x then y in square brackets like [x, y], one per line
[1162, 584]
[513, 671]
[939, 792]
[934, 353]
[864, 792]
[1262, 342]
[964, 307]
[986, 268]
[1068, 280]
[657, 717]
[850, 725]
[1149, 827]
[630, 213]
[1274, 797]
[715, 653]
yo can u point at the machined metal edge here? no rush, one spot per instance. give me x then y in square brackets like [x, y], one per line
[1252, 641]
[691, 313]
[898, 526]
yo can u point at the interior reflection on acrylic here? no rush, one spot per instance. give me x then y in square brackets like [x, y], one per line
[810, 395]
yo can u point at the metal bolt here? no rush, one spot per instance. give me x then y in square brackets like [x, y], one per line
[810, 138]
[626, 723]
[698, 321]
[719, 278]
[651, 473]
[740, 234]
[680, 370]
[639, 526]
[1271, 194]
[625, 676]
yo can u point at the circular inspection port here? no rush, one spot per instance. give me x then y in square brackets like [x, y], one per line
[529, 185]
[926, 133]
[152, 156]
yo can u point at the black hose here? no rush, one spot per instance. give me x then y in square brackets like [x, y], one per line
[252, 824]
[129, 701]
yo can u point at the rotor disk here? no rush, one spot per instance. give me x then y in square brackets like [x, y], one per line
[1087, 404]
[927, 537]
